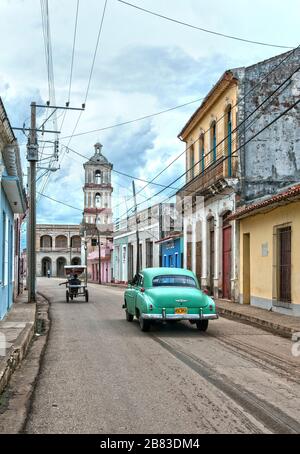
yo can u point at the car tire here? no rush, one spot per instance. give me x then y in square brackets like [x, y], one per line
[86, 296]
[144, 324]
[67, 296]
[129, 317]
[202, 325]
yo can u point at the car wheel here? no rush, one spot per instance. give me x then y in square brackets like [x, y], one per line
[202, 325]
[144, 324]
[86, 296]
[67, 296]
[129, 317]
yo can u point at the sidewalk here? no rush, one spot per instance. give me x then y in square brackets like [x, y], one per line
[280, 324]
[16, 333]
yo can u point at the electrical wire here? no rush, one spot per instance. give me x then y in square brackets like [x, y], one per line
[72, 63]
[217, 145]
[221, 118]
[127, 122]
[223, 35]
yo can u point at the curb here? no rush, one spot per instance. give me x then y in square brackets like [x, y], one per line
[16, 354]
[21, 384]
[274, 328]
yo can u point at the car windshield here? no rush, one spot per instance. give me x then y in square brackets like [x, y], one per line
[173, 280]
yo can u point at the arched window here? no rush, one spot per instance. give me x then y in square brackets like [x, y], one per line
[228, 139]
[61, 241]
[192, 162]
[213, 141]
[202, 153]
[98, 177]
[98, 200]
[76, 241]
[46, 241]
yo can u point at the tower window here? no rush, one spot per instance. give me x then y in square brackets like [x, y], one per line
[98, 177]
[98, 200]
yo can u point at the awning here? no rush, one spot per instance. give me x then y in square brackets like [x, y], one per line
[13, 191]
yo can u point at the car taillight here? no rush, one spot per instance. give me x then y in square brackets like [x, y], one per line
[142, 289]
[205, 291]
[211, 307]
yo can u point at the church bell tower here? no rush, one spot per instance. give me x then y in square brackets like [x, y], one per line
[97, 192]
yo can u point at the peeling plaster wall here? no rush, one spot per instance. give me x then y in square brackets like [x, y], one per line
[271, 160]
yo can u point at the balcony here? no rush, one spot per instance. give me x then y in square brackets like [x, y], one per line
[212, 178]
[59, 249]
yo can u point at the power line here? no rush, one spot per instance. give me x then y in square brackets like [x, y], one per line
[203, 29]
[59, 201]
[90, 75]
[218, 162]
[127, 122]
[118, 171]
[207, 130]
[72, 62]
[224, 158]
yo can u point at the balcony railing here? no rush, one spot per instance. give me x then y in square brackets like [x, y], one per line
[59, 249]
[216, 171]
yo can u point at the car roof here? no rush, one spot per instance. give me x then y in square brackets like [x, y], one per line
[150, 273]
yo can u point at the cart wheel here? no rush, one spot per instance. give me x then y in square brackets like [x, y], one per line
[86, 296]
[67, 296]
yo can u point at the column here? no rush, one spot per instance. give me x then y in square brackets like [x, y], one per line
[204, 225]
[218, 259]
[185, 243]
[194, 244]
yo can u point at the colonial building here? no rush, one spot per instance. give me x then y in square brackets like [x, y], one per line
[12, 210]
[270, 252]
[154, 224]
[230, 162]
[171, 250]
[57, 246]
[97, 225]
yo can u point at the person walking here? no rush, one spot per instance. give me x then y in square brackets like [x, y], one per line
[48, 272]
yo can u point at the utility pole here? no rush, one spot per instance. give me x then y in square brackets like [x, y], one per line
[137, 231]
[32, 157]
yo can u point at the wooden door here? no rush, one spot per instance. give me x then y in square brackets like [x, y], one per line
[227, 262]
[189, 255]
[285, 264]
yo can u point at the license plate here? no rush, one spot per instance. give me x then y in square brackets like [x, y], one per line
[181, 310]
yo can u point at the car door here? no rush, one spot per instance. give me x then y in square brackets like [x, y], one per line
[139, 296]
[130, 295]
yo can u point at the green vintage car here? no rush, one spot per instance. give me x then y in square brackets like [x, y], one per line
[167, 294]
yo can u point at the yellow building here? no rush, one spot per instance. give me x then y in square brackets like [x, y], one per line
[270, 252]
[211, 178]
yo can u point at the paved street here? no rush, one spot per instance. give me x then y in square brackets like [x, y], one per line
[101, 374]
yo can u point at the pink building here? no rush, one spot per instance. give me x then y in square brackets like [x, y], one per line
[105, 263]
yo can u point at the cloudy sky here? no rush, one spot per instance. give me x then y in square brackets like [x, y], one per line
[144, 64]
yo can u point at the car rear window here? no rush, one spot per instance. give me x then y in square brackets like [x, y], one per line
[174, 280]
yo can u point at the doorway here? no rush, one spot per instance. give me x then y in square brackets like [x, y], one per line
[226, 257]
[60, 263]
[246, 268]
[46, 265]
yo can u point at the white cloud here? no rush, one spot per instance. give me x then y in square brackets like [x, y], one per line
[143, 65]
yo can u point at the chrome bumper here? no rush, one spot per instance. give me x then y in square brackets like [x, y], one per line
[180, 316]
